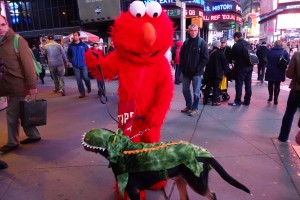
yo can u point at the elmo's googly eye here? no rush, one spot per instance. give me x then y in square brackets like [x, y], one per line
[153, 9]
[137, 9]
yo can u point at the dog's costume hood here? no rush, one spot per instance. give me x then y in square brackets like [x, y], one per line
[127, 157]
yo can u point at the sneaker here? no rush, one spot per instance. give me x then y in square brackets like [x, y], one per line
[234, 104]
[193, 112]
[186, 110]
[55, 91]
[63, 93]
[81, 95]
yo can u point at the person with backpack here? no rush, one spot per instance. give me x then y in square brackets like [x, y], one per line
[19, 79]
[193, 58]
[262, 53]
[243, 69]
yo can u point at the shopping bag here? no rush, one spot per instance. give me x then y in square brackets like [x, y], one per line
[33, 112]
[223, 84]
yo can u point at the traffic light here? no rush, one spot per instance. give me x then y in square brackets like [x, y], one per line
[198, 21]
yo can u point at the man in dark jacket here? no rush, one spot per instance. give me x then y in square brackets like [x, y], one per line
[193, 59]
[243, 69]
[76, 55]
[262, 53]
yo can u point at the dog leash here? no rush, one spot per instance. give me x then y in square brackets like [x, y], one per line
[104, 100]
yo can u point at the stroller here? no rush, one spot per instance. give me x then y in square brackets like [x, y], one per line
[222, 95]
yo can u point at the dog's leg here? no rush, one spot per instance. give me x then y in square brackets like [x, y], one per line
[181, 186]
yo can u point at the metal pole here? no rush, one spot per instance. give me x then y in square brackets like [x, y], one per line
[182, 21]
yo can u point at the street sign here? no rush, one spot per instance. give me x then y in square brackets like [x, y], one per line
[172, 13]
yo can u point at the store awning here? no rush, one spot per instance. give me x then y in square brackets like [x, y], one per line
[270, 15]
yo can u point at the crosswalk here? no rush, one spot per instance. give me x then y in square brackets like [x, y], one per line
[283, 85]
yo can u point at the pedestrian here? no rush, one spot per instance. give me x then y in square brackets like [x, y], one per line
[111, 47]
[39, 56]
[19, 79]
[214, 71]
[176, 62]
[293, 102]
[243, 70]
[262, 53]
[274, 74]
[226, 49]
[76, 54]
[193, 59]
[57, 61]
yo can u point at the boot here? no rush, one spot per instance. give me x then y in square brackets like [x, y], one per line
[270, 99]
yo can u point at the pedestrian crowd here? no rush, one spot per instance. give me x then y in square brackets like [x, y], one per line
[194, 63]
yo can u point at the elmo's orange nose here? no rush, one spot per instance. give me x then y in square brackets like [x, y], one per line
[149, 34]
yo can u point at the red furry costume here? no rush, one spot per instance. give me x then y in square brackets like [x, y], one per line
[141, 37]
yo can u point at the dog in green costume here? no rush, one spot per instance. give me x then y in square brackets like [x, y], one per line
[138, 166]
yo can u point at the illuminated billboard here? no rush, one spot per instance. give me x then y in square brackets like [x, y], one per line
[288, 1]
[287, 21]
[98, 10]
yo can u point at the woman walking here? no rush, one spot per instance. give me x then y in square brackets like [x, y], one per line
[274, 74]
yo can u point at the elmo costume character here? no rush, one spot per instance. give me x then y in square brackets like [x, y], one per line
[141, 38]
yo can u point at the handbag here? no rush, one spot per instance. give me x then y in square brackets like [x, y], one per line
[223, 84]
[33, 112]
[283, 63]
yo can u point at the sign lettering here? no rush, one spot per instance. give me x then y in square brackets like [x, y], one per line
[222, 17]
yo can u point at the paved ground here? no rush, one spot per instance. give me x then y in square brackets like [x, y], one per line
[241, 138]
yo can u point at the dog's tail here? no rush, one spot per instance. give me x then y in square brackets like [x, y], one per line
[221, 171]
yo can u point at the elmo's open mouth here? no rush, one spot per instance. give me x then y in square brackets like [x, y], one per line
[141, 55]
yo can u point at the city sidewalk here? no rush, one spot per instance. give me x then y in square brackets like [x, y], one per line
[241, 138]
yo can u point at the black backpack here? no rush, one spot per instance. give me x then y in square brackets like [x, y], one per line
[250, 55]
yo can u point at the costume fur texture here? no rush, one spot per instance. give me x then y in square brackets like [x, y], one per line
[145, 80]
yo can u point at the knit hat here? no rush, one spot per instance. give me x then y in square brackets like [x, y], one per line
[216, 43]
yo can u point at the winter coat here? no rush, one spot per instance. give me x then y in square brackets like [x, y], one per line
[217, 65]
[55, 54]
[293, 71]
[193, 58]
[177, 52]
[227, 51]
[19, 76]
[262, 53]
[237, 56]
[273, 72]
[38, 54]
[76, 54]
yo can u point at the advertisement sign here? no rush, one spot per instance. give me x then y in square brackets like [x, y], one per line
[253, 25]
[222, 17]
[288, 1]
[223, 6]
[287, 21]
[98, 10]
[173, 2]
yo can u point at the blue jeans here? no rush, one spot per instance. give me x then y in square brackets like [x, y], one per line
[196, 83]
[82, 73]
[244, 75]
[292, 104]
